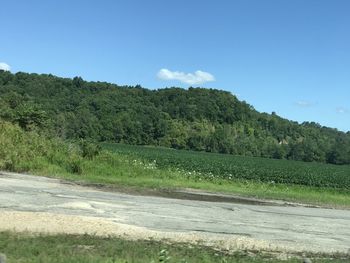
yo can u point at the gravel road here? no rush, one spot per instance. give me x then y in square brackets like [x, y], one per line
[40, 204]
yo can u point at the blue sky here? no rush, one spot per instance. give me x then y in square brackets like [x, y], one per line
[291, 57]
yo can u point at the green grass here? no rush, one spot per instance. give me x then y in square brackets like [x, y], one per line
[84, 248]
[117, 170]
[134, 167]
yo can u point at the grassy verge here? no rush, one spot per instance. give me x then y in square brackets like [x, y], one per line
[85, 248]
[120, 171]
[27, 151]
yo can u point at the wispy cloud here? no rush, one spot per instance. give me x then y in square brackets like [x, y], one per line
[4, 66]
[304, 104]
[198, 77]
[342, 110]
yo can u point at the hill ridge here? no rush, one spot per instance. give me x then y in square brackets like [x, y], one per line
[195, 118]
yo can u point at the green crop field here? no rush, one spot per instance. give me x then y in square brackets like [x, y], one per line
[223, 166]
[131, 167]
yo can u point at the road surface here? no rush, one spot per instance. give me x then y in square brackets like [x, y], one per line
[40, 204]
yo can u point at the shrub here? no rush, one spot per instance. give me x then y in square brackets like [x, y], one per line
[74, 165]
[22, 150]
[88, 149]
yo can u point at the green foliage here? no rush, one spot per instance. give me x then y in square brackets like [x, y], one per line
[213, 167]
[18, 147]
[134, 167]
[29, 116]
[23, 111]
[89, 149]
[28, 151]
[163, 256]
[74, 165]
[193, 119]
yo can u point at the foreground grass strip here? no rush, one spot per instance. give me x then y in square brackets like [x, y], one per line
[85, 248]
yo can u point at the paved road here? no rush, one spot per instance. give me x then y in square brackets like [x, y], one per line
[294, 228]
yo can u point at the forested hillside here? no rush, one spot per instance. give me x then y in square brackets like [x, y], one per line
[197, 119]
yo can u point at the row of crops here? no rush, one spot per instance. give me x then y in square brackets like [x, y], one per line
[241, 167]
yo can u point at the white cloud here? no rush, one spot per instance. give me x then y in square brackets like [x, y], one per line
[304, 104]
[342, 110]
[4, 66]
[198, 77]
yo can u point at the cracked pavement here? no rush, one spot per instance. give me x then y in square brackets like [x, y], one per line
[294, 228]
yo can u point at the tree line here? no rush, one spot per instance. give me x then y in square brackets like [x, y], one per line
[194, 118]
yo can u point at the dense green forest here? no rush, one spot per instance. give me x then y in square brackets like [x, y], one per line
[195, 118]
